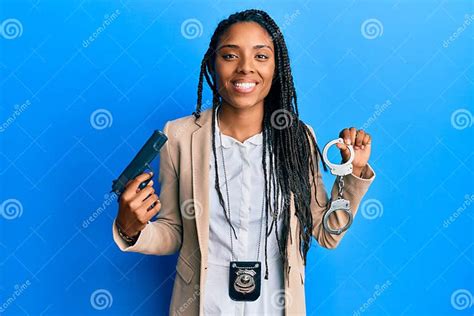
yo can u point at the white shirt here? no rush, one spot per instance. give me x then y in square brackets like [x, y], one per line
[243, 162]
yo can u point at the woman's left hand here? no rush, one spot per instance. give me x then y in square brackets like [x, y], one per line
[361, 143]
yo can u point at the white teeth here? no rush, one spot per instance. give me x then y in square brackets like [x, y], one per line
[245, 85]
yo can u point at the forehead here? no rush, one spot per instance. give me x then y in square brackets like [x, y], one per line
[246, 34]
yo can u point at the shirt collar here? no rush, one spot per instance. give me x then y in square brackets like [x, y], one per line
[228, 141]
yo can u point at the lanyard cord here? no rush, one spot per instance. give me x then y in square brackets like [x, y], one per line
[228, 204]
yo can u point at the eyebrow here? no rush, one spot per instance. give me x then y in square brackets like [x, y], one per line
[237, 46]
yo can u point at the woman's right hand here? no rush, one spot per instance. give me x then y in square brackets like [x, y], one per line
[136, 206]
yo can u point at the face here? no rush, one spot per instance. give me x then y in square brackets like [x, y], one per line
[244, 65]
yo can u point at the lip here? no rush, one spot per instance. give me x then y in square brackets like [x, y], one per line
[243, 79]
[243, 90]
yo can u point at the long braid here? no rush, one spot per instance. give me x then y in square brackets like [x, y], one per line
[216, 184]
[267, 184]
[289, 149]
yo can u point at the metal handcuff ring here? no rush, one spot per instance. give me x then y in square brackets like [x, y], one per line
[339, 204]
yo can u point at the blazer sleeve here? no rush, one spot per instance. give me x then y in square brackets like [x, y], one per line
[164, 235]
[355, 188]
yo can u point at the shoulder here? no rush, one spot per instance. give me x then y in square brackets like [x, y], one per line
[310, 128]
[182, 126]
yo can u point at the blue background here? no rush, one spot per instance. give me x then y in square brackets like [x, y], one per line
[410, 83]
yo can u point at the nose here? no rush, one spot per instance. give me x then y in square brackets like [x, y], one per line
[245, 65]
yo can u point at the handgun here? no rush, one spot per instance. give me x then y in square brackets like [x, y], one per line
[140, 163]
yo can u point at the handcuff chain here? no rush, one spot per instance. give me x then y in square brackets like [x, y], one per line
[340, 182]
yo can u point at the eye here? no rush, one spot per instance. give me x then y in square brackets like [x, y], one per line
[262, 56]
[228, 56]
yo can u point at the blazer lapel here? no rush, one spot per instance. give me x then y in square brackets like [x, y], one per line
[200, 148]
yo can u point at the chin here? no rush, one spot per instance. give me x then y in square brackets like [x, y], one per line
[243, 102]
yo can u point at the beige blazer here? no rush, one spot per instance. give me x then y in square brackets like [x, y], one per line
[183, 222]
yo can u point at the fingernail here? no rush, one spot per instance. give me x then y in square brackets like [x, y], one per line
[362, 147]
[347, 141]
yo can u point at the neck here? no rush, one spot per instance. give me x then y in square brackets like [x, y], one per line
[240, 124]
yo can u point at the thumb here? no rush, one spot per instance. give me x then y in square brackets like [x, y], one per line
[342, 147]
[345, 152]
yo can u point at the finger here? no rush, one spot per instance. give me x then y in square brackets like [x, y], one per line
[366, 139]
[353, 133]
[132, 186]
[156, 208]
[342, 146]
[341, 133]
[143, 194]
[150, 201]
[346, 136]
[139, 179]
[359, 138]
[147, 204]
[345, 152]
[143, 184]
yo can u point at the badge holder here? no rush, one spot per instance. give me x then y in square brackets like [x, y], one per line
[245, 278]
[339, 204]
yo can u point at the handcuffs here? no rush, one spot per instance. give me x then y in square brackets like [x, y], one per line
[339, 204]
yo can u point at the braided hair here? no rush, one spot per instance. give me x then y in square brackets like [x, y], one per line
[288, 146]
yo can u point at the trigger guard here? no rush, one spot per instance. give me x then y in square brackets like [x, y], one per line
[145, 183]
[338, 205]
[343, 169]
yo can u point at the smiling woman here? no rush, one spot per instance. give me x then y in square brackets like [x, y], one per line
[252, 146]
[245, 65]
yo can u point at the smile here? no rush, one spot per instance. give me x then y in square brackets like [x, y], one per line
[244, 87]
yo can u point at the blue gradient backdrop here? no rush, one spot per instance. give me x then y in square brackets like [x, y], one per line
[84, 83]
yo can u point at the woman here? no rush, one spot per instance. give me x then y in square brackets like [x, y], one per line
[216, 198]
